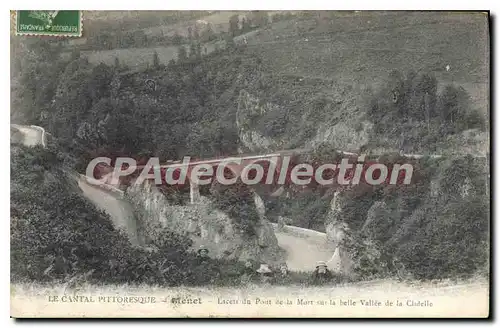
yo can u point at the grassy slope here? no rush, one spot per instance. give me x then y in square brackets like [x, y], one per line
[358, 49]
[363, 48]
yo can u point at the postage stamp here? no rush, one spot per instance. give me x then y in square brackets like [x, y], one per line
[49, 22]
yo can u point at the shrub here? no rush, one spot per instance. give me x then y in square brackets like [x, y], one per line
[237, 201]
[410, 107]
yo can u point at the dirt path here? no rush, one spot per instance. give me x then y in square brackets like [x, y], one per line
[118, 209]
[303, 247]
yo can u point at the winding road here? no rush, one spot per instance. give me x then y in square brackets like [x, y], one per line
[105, 198]
[303, 247]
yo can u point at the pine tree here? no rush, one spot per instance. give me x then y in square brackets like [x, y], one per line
[192, 50]
[177, 39]
[198, 50]
[196, 33]
[208, 33]
[156, 60]
[182, 54]
[233, 25]
[246, 25]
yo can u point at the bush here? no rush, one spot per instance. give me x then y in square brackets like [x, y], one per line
[237, 201]
[409, 107]
[474, 120]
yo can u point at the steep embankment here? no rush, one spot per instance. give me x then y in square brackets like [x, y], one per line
[302, 247]
[319, 76]
[118, 209]
[205, 225]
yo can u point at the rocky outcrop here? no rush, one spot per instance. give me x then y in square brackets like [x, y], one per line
[337, 231]
[204, 225]
[344, 133]
[254, 141]
[249, 109]
[356, 251]
[335, 227]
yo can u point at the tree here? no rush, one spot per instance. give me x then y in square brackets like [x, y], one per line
[453, 104]
[196, 33]
[421, 98]
[260, 18]
[182, 54]
[156, 60]
[237, 201]
[246, 25]
[192, 50]
[207, 34]
[412, 100]
[39, 67]
[198, 50]
[176, 39]
[234, 25]
[171, 63]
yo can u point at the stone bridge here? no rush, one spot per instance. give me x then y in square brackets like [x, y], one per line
[277, 166]
[273, 180]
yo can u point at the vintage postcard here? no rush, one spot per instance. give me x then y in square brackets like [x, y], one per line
[250, 164]
[49, 22]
